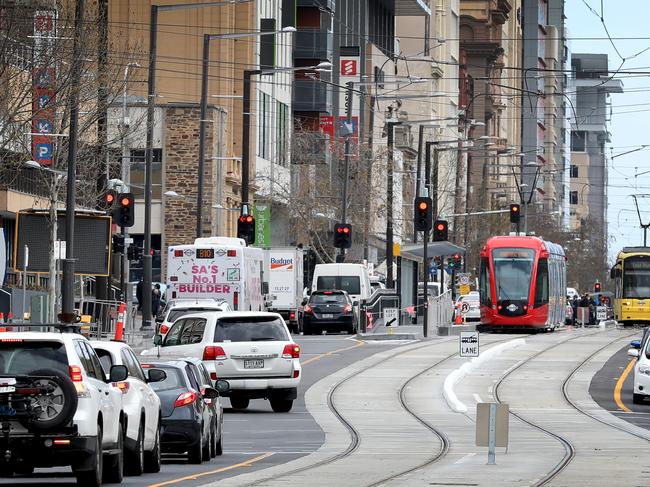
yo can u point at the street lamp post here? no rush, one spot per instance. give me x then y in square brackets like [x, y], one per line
[390, 167]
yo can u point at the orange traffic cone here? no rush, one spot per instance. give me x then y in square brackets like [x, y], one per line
[458, 320]
[2, 321]
[10, 320]
[119, 326]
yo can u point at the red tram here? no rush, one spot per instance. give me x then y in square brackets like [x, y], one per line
[522, 284]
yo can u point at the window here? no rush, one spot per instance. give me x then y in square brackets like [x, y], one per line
[574, 171]
[573, 197]
[578, 141]
[97, 370]
[174, 379]
[351, 284]
[106, 359]
[263, 126]
[22, 358]
[484, 283]
[194, 382]
[185, 331]
[250, 329]
[282, 134]
[132, 365]
[137, 173]
[541, 283]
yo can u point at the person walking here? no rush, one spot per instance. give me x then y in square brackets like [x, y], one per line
[156, 295]
[138, 293]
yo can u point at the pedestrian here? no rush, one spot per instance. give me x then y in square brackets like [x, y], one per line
[156, 295]
[138, 293]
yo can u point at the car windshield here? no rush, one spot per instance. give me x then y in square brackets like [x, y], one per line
[250, 329]
[174, 379]
[176, 313]
[22, 358]
[351, 284]
[333, 298]
[513, 270]
[636, 277]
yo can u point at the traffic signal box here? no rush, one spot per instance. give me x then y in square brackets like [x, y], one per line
[108, 200]
[597, 287]
[246, 228]
[134, 252]
[343, 236]
[455, 261]
[440, 231]
[124, 211]
[118, 243]
[515, 213]
[423, 214]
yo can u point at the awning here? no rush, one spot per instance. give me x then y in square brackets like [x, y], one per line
[434, 249]
[409, 8]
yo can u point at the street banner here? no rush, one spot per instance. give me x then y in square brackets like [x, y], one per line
[262, 214]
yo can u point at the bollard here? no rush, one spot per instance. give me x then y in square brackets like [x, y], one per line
[119, 326]
[2, 322]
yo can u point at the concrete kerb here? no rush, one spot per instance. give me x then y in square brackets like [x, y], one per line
[337, 437]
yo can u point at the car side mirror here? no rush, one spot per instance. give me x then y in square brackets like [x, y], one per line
[118, 373]
[633, 352]
[635, 343]
[156, 375]
[210, 393]
[222, 386]
[157, 340]
[304, 301]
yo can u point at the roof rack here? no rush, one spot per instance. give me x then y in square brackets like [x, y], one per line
[62, 327]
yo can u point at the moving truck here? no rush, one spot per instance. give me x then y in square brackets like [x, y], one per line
[284, 272]
[220, 268]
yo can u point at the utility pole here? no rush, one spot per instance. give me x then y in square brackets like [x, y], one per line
[369, 155]
[202, 123]
[245, 149]
[349, 100]
[418, 176]
[67, 313]
[390, 167]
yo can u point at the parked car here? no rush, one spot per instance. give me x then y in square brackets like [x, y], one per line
[60, 406]
[186, 418]
[474, 311]
[328, 310]
[640, 349]
[179, 307]
[141, 406]
[253, 350]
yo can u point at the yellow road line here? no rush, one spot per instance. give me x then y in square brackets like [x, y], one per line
[619, 386]
[246, 463]
[332, 352]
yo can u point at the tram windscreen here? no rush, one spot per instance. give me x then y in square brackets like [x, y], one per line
[513, 270]
[636, 277]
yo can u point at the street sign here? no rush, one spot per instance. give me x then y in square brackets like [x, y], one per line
[464, 307]
[463, 278]
[391, 316]
[601, 313]
[492, 427]
[464, 289]
[469, 346]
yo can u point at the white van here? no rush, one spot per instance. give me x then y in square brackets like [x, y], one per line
[352, 278]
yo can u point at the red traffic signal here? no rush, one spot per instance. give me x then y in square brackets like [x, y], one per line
[440, 231]
[246, 228]
[597, 287]
[423, 214]
[124, 213]
[515, 213]
[343, 236]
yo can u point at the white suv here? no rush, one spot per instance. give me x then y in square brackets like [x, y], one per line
[180, 307]
[641, 350]
[253, 350]
[58, 408]
[141, 406]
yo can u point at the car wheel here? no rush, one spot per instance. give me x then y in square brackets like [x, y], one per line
[93, 478]
[637, 398]
[55, 408]
[207, 447]
[114, 471]
[239, 402]
[152, 459]
[135, 463]
[24, 469]
[281, 405]
[195, 453]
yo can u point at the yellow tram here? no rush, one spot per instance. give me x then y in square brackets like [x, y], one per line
[631, 275]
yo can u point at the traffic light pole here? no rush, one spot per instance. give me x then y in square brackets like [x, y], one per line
[425, 290]
[346, 162]
[390, 166]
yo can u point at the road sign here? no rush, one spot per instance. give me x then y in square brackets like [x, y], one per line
[464, 289]
[463, 278]
[469, 344]
[601, 313]
[464, 307]
[492, 427]
[391, 316]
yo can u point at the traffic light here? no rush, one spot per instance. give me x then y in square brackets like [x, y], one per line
[515, 213]
[597, 287]
[124, 212]
[343, 236]
[246, 228]
[134, 252]
[440, 230]
[455, 261]
[107, 200]
[118, 243]
[423, 214]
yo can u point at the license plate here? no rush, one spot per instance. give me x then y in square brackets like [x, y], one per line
[253, 364]
[5, 389]
[326, 316]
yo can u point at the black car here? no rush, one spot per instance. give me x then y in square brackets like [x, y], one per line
[328, 310]
[186, 418]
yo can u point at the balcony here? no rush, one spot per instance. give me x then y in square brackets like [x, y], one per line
[313, 44]
[311, 96]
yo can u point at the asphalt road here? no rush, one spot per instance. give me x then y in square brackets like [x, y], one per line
[254, 438]
[604, 383]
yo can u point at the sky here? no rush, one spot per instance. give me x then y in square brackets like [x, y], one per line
[627, 24]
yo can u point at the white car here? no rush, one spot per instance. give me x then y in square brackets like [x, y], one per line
[472, 305]
[252, 350]
[141, 406]
[176, 309]
[641, 351]
[61, 407]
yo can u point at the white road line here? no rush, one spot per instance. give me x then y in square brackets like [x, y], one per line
[465, 457]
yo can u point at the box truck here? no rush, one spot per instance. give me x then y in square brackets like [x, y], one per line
[284, 272]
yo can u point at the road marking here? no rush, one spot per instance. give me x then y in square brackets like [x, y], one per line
[466, 457]
[619, 386]
[246, 463]
[332, 352]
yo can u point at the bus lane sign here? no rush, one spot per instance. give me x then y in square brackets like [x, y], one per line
[469, 344]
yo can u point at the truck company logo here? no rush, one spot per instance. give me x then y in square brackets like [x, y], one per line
[282, 263]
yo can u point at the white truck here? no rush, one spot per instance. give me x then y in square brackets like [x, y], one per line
[284, 273]
[221, 268]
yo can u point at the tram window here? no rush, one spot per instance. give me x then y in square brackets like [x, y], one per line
[484, 283]
[541, 283]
